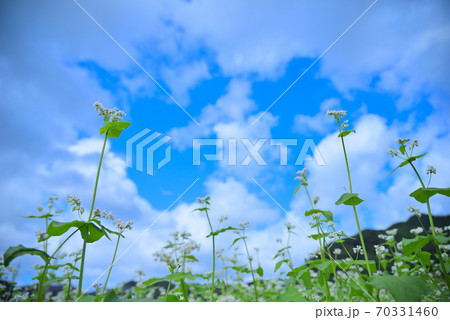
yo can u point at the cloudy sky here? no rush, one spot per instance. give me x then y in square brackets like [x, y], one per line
[209, 69]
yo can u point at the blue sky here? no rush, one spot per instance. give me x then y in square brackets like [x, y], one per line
[225, 62]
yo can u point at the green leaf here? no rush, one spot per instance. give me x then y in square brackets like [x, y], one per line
[411, 245]
[423, 194]
[191, 258]
[47, 215]
[220, 231]
[407, 161]
[114, 129]
[349, 199]
[13, 252]
[111, 296]
[296, 189]
[423, 257]
[439, 238]
[345, 133]
[279, 264]
[291, 295]
[260, 271]
[363, 263]
[319, 236]
[236, 240]
[402, 288]
[89, 231]
[172, 298]
[310, 212]
[322, 266]
[328, 215]
[402, 149]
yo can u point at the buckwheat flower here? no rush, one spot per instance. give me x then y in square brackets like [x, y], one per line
[431, 170]
[185, 235]
[289, 226]
[39, 208]
[358, 249]
[415, 211]
[219, 251]
[316, 215]
[337, 113]
[97, 285]
[311, 223]
[345, 125]
[278, 240]
[438, 230]
[302, 172]
[392, 232]
[413, 144]
[222, 219]
[402, 141]
[416, 231]
[62, 255]
[40, 235]
[337, 251]
[380, 250]
[236, 232]
[140, 272]
[399, 246]
[316, 199]
[392, 152]
[330, 223]
[121, 226]
[203, 200]
[108, 216]
[59, 210]
[244, 224]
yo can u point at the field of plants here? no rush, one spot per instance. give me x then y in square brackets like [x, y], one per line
[400, 270]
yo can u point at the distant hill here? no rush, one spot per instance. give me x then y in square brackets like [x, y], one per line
[371, 236]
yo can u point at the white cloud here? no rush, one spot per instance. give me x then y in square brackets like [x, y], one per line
[317, 123]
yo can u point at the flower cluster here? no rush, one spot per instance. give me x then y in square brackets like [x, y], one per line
[41, 236]
[416, 231]
[431, 170]
[122, 226]
[102, 214]
[337, 113]
[301, 175]
[112, 115]
[75, 203]
[415, 211]
[358, 250]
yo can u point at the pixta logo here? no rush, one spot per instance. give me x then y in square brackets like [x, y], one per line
[149, 141]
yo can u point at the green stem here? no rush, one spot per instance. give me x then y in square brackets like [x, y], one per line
[354, 209]
[433, 231]
[83, 255]
[41, 288]
[255, 285]
[110, 268]
[214, 257]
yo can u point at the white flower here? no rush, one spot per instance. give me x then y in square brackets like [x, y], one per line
[414, 210]
[337, 251]
[358, 249]
[413, 144]
[431, 170]
[316, 199]
[121, 226]
[244, 224]
[392, 152]
[289, 226]
[39, 208]
[222, 219]
[302, 172]
[416, 231]
[402, 141]
[337, 113]
[392, 232]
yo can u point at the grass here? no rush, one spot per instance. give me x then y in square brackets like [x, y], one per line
[401, 270]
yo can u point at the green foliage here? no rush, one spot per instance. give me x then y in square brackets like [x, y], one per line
[423, 194]
[13, 252]
[402, 288]
[349, 199]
